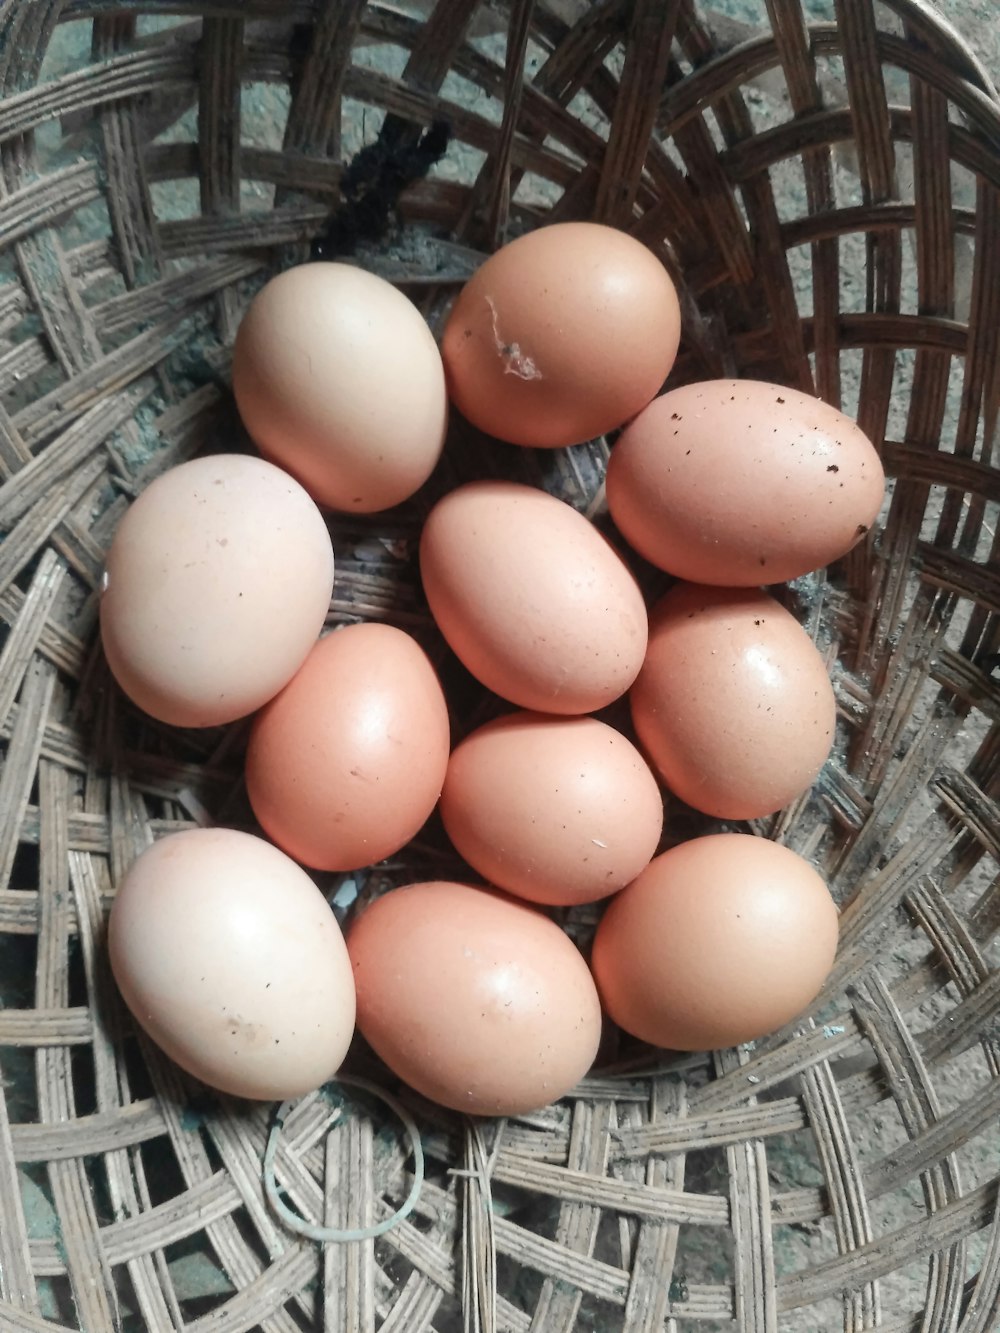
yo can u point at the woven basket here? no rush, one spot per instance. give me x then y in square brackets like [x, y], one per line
[823, 181]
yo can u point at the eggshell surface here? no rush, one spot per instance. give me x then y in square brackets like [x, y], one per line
[561, 335]
[476, 1000]
[231, 959]
[532, 599]
[557, 810]
[217, 584]
[733, 704]
[347, 763]
[338, 379]
[739, 483]
[719, 940]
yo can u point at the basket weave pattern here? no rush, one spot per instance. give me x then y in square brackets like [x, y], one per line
[826, 193]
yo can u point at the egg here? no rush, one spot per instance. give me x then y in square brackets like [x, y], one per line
[532, 599]
[232, 961]
[338, 379]
[561, 335]
[719, 941]
[733, 704]
[476, 1000]
[739, 483]
[216, 586]
[558, 810]
[347, 763]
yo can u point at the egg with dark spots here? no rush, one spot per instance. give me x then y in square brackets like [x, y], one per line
[718, 481]
[477, 1000]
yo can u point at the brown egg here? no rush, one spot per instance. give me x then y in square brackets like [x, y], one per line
[531, 597]
[558, 810]
[476, 1000]
[562, 335]
[720, 940]
[231, 959]
[338, 379]
[346, 764]
[733, 704]
[216, 586]
[738, 483]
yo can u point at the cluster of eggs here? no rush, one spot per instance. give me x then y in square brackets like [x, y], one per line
[218, 585]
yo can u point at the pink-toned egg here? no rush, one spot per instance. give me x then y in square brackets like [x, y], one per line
[733, 704]
[346, 764]
[477, 1000]
[532, 598]
[719, 940]
[561, 335]
[558, 810]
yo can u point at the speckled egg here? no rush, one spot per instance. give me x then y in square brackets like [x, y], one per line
[739, 483]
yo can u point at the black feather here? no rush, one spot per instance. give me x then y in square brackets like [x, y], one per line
[371, 186]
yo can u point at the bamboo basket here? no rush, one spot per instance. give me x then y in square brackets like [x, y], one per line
[823, 181]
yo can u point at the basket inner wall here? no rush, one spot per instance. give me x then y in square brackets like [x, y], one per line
[822, 181]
